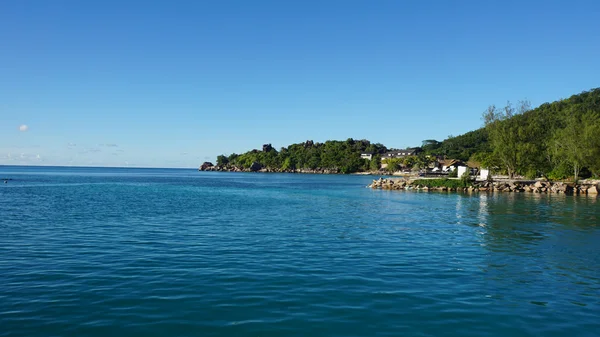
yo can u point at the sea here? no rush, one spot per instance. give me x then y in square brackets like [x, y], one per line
[177, 252]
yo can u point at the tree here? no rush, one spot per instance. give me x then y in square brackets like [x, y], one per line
[577, 143]
[375, 163]
[393, 164]
[503, 134]
[222, 160]
[422, 161]
[409, 161]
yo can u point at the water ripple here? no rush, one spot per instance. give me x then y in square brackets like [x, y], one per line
[182, 253]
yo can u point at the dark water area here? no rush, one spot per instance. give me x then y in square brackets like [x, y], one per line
[173, 252]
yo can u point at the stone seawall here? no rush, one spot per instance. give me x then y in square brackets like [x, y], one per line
[495, 186]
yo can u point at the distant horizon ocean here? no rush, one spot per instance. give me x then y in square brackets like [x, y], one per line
[96, 251]
[99, 167]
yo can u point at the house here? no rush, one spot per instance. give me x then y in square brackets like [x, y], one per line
[484, 174]
[400, 153]
[366, 155]
[449, 165]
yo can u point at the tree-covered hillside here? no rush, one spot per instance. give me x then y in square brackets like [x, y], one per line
[461, 147]
[555, 140]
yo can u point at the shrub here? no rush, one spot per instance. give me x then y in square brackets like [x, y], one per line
[449, 183]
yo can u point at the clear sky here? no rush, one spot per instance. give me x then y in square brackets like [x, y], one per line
[175, 83]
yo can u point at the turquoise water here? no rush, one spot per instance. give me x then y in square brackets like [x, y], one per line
[151, 252]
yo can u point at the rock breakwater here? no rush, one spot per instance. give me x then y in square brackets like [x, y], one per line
[515, 186]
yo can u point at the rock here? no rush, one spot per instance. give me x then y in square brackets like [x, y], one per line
[593, 190]
[255, 166]
[267, 147]
[538, 184]
[205, 166]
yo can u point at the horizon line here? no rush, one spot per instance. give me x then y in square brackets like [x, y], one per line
[83, 166]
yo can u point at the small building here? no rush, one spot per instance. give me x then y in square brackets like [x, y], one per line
[484, 174]
[449, 165]
[366, 155]
[400, 153]
[461, 170]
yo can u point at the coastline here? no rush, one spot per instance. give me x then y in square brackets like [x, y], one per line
[585, 187]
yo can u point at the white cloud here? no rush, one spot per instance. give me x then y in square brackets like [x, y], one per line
[23, 128]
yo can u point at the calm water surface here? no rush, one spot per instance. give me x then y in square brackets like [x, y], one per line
[150, 252]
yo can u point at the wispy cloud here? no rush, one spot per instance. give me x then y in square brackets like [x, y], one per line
[23, 158]
[23, 128]
[71, 145]
[90, 150]
[109, 145]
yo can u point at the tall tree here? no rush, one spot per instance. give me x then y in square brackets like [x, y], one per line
[503, 135]
[577, 143]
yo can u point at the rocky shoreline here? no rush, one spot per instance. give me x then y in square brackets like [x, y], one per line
[516, 186]
[257, 167]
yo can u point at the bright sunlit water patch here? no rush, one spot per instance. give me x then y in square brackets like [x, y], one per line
[148, 252]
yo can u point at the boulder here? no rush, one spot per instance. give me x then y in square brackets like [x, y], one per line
[205, 166]
[593, 190]
[255, 166]
[538, 184]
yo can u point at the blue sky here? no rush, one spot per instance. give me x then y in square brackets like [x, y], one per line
[175, 83]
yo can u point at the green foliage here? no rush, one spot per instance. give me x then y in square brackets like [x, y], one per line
[460, 147]
[505, 137]
[453, 173]
[533, 142]
[222, 160]
[375, 163]
[577, 143]
[560, 172]
[422, 161]
[465, 178]
[394, 164]
[449, 183]
[343, 156]
[555, 140]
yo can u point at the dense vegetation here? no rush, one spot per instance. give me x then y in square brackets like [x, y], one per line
[556, 140]
[338, 156]
[449, 183]
[461, 147]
